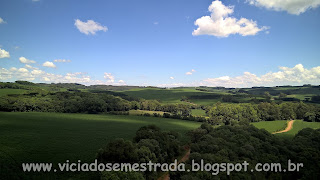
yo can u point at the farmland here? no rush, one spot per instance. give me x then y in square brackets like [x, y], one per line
[4, 92]
[56, 122]
[56, 137]
[271, 126]
[299, 125]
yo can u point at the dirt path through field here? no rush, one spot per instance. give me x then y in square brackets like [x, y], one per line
[288, 128]
[183, 159]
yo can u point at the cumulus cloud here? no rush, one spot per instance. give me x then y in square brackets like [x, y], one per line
[109, 77]
[89, 27]
[26, 61]
[49, 64]
[291, 6]
[296, 75]
[24, 74]
[190, 72]
[171, 77]
[4, 53]
[62, 60]
[37, 72]
[23, 70]
[220, 24]
[30, 67]
[2, 21]
[38, 75]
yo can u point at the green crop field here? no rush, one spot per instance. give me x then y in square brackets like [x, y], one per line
[4, 92]
[271, 126]
[165, 95]
[54, 137]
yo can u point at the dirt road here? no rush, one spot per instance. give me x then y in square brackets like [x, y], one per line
[183, 159]
[288, 128]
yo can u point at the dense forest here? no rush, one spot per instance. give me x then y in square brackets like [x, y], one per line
[224, 144]
[149, 144]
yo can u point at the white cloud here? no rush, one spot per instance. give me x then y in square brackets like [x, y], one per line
[61, 60]
[171, 77]
[291, 6]
[2, 21]
[26, 61]
[49, 64]
[24, 74]
[13, 69]
[296, 75]
[190, 72]
[30, 67]
[89, 27]
[23, 70]
[46, 79]
[4, 53]
[109, 77]
[5, 74]
[120, 83]
[37, 72]
[219, 24]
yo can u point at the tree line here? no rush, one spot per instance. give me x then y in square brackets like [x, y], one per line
[220, 113]
[231, 114]
[84, 102]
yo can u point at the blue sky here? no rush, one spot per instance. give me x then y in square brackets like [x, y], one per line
[148, 42]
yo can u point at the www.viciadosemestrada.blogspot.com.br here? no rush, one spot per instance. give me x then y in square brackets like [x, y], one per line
[214, 168]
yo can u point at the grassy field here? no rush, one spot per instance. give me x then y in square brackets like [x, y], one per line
[299, 125]
[198, 112]
[165, 95]
[271, 126]
[141, 112]
[205, 102]
[53, 137]
[4, 92]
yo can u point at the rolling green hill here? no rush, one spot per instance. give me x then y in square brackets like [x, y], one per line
[56, 137]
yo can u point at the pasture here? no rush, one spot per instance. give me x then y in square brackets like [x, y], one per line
[198, 112]
[299, 125]
[271, 126]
